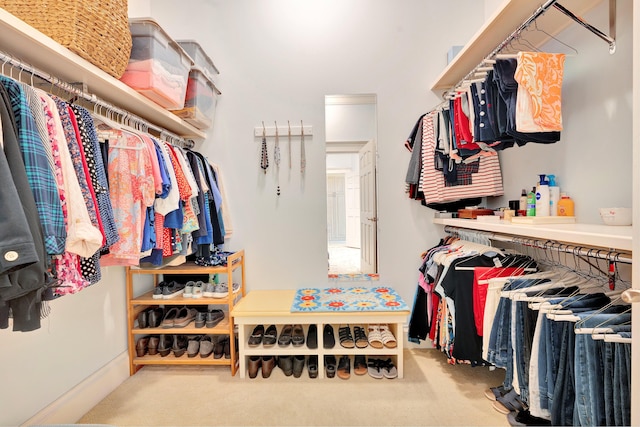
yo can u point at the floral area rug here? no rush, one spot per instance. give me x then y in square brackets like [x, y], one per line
[360, 298]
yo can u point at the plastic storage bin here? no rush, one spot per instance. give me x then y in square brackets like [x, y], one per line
[200, 102]
[158, 67]
[200, 58]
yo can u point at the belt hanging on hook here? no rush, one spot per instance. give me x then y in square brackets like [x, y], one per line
[276, 158]
[264, 158]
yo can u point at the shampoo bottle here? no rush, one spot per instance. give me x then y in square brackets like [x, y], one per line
[542, 197]
[554, 195]
[531, 202]
[565, 206]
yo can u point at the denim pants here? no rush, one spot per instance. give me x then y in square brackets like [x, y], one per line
[563, 400]
[622, 382]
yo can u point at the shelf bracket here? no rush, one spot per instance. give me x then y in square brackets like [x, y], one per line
[611, 38]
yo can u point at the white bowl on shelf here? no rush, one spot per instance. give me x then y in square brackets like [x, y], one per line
[616, 216]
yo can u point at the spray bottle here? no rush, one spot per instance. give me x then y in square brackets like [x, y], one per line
[531, 202]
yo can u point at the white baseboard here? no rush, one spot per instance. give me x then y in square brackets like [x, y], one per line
[71, 406]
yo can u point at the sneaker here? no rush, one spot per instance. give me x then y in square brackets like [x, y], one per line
[198, 290]
[220, 290]
[188, 289]
[159, 290]
[208, 290]
[172, 289]
[236, 288]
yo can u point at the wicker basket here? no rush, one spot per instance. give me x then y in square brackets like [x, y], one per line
[96, 30]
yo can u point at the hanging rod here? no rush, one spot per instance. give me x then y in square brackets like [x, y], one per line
[515, 33]
[89, 97]
[607, 254]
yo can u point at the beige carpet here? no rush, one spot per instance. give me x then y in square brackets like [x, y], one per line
[431, 393]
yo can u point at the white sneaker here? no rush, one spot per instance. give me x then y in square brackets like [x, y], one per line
[188, 290]
[198, 290]
[208, 290]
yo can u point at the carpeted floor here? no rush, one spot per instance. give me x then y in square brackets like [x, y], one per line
[431, 393]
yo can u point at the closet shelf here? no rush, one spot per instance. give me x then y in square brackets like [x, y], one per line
[24, 42]
[509, 16]
[604, 236]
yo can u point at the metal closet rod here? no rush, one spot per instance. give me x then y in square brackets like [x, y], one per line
[89, 97]
[608, 254]
[515, 33]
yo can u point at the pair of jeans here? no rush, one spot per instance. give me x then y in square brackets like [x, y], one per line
[524, 323]
[622, 382]
[563, 400]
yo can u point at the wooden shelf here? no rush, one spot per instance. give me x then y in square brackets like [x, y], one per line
[220, 329]
[32, 47]
[604, 236]
[507, 18]
[147, 299]
[170, 359]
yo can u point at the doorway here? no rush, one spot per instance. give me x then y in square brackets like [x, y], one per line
[350, 124]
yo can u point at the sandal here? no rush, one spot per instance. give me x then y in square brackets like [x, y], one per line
[360, 337]
[375, 338]
[389, 370]
[373, 367]
[285, 336]
[346, 339]
[388, 339]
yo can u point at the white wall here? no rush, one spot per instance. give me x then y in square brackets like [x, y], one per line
[350, 122]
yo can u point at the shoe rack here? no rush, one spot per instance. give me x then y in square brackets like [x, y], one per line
[139, 303]
[273, 307]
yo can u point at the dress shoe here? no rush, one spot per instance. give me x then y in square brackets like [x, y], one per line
[164, 344]
[218, 349]
[256, 336]
[268, 362]
[214, 317]
[142, 346]
[312, 365]
[206, 346]
[169, 318]
[330, 363]
[154, 317]
[344, 367]
[193, 345]
[328, 338]
[298, 365]
[153, 345]
[270, 336]
[142, 319]
[285, 336]
[185, 316]
[286, 364]
[254, 365]
[297, 337]
[179, 345]
[312, 336]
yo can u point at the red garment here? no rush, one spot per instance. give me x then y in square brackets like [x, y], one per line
[462, 126]
[480, 287]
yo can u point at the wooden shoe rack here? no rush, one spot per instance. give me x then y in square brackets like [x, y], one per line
[273, 307]
[138, 303]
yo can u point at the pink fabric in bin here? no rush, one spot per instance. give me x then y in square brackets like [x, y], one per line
[153, 80]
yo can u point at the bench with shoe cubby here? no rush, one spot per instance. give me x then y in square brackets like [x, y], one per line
[269, 308]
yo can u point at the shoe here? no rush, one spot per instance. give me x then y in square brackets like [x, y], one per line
[185, 316]
[254, 365]
[312, 337]
[374, 368]
[153, 345]
[375, 337]
[208, 290]
[346, 339]
[388, 340]
[193, 345]
[220, 290]
[330, 363]
[329, 341]
[297, 338]
[285, 336]
[188, 289]
[286, 364]
[227, 348]
[179, 345]
[159, 290]
[344, 367]
[256, 336]
[218, 349]
[142, 346]
[268, 363]
[197, 290]
[142, 319]
[214, 317]
[172, 289]
[206, 346]
[312, 366]
[164, 344]
[359, 364]
[389, 370]
[201, 319]
[154, 318]
[270, 336]
[169, 318]
[236, 287]
[360, 337]
[298, 365]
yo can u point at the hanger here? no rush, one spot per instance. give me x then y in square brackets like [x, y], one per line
[535, 25]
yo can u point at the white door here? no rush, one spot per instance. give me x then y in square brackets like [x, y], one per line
[368, 213]
[335, 208]
[352, 202]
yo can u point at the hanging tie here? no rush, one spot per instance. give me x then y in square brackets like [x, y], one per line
[264, 161]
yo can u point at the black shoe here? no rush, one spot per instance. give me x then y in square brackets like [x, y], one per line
[328, 338]
[359, 364]
[218, 348]
[142, 319]
[330, 363]
[270, 336]
[312, 337]
[254, 365]
[285, 336]
[164, 344]
[344, 367]
[214, 317]
[297, 337]
[179, 345]
[286, 364]
[298, 366]
[154, 317]
[256, 336]
[312, 365]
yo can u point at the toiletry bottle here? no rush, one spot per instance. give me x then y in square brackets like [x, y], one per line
[554, 195]
[565, 206]
[542, 197]
[522, 208]
[531, 202]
